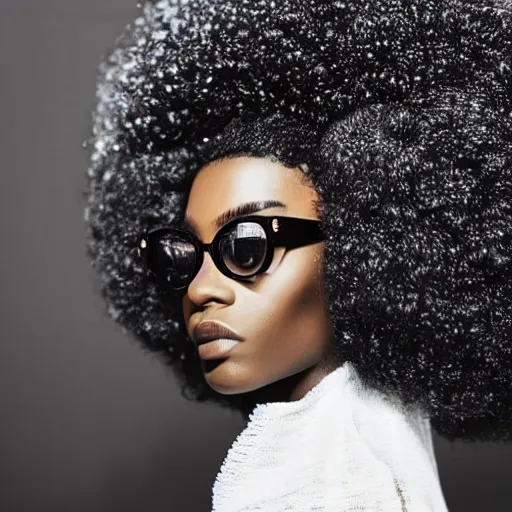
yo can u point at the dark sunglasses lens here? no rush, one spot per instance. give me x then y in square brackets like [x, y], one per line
[244, 248]
[172, 260]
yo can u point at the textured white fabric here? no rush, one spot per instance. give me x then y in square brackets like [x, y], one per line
[341, 447]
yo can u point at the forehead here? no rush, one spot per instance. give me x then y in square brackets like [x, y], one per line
[226, 184]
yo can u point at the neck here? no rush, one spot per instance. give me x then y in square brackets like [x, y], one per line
[309, 379]
[295, 386]
[290, 388]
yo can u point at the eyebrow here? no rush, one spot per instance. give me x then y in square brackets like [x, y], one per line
[233, 213]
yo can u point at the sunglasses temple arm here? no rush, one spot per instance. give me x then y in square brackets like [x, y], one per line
[297, 233]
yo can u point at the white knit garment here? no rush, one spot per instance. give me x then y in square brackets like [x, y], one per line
[341, 447]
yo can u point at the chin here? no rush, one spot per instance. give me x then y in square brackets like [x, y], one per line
[229, 378]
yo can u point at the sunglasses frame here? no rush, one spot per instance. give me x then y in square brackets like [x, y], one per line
[281, 231]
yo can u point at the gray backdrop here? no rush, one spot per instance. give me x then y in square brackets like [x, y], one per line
[88, 422]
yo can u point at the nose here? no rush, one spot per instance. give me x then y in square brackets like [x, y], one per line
[210, 284]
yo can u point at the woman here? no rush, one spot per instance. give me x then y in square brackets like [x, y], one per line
[327, 442]
[385, 125]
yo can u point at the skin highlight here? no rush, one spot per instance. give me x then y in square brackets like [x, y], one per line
[281, 314]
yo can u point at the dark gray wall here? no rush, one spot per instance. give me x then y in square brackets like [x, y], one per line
[87, 422]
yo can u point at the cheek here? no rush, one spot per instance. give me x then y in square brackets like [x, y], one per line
[186, 307]
[292, 321]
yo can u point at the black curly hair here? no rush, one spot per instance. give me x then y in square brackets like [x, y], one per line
[400, 111]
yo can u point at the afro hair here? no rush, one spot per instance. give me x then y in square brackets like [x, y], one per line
[401, 111]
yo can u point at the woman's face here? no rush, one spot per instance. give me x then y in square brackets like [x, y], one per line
[281, 314]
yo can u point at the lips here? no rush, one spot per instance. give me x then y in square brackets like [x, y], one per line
[209, 330]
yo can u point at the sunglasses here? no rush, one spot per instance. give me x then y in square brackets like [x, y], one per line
[241, 249]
